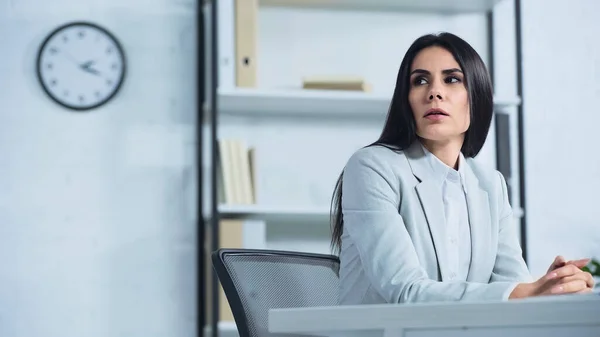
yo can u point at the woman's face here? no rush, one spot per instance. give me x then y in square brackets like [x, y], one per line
[438, 96]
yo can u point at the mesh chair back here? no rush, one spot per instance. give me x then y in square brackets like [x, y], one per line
[255, 281]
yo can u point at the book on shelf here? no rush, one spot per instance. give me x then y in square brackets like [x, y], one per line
[237, 171]
[352, 83]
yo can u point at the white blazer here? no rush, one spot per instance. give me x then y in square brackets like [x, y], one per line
[394, 232]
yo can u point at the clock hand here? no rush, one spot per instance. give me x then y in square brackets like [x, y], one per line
[92, 71]
[84, 66]
[69, 56]
[87, 67]
[87, 64]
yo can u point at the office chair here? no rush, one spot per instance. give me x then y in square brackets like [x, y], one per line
[255, 281]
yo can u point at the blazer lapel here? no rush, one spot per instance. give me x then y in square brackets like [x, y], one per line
[429, 191]
[479, 223]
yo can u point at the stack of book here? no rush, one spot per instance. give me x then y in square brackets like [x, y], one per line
[336, 83]
[236, 172]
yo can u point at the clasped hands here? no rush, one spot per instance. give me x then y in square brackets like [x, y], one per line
[562, 277]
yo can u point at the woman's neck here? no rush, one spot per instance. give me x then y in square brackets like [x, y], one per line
[448, 152]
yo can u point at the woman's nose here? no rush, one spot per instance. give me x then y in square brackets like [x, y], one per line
[435, 95]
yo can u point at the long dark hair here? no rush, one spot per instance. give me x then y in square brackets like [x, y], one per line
[399, 131]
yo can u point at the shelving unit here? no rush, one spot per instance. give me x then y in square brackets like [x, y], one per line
[268, 103]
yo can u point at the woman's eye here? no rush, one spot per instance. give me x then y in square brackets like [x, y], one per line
[419, 81]
[452, 79]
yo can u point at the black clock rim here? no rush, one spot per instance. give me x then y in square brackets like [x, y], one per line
[57, 30]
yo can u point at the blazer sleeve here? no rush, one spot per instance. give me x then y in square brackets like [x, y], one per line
[370, 203]
[510, 265]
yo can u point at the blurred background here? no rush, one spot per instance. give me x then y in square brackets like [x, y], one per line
[138, 136]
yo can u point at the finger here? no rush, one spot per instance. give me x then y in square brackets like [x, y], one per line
[569, 287]
[585, 291]
[579, 263]
[559, 261]
[586, 277]
[581, 276]
[564, 271]
[589, 279]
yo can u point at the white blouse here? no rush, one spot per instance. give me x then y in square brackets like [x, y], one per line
[457, 219]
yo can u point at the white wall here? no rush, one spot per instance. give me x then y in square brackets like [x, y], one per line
[561, 59]
[97, 223]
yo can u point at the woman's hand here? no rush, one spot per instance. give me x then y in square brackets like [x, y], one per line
[565, 279]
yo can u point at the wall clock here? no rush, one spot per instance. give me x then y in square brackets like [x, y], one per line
[81, 65]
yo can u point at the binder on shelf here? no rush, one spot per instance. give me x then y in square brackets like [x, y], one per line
[246, 31]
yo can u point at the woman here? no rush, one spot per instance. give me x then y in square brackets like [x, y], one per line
[416, 218]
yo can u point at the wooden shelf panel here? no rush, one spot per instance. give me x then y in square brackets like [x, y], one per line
[431, 6]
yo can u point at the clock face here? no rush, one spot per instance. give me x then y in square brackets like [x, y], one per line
[81, 66]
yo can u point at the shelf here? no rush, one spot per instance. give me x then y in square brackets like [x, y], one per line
[431, 6]
[275, 214]
[316, 103]
[332, 103]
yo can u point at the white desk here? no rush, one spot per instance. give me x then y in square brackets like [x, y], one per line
[544, 316]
